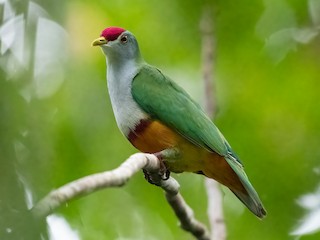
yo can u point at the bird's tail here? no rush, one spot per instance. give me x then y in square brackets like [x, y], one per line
[249, 197]
[230, 173]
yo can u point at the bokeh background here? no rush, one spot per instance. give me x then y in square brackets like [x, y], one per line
[57, 125]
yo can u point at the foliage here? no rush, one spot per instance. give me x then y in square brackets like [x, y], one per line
[57, 124]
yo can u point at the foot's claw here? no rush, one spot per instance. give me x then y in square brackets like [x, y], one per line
[163, 174]
[147, 176]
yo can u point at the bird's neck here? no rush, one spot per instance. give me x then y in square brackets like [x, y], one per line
[120, 65]
[121, 73]
[120, 60]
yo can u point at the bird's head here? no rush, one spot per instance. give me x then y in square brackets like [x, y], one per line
[118, 44]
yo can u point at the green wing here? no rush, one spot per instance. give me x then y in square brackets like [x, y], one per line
[164, 100]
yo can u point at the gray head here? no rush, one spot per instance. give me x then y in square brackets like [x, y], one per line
[118, 45]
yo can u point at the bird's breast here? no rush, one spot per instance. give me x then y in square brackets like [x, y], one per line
[127, 112]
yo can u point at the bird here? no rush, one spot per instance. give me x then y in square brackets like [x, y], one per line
[158, 116]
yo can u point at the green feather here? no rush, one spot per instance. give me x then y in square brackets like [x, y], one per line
[164, 100]
[251, 199]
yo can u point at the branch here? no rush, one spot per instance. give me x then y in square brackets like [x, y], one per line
[207, 52]
[215, 208]
[186, 217]
[117, 178]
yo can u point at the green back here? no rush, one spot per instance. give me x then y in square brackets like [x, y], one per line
[164, 100]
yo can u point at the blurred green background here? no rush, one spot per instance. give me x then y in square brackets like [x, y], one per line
[57, 125]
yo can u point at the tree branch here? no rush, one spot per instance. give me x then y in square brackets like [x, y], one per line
[117, 178]
[215, 208]
[207, 52]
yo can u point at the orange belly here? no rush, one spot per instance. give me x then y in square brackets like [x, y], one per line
[154, 137]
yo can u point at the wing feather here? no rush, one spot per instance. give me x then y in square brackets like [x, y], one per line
[164, 100]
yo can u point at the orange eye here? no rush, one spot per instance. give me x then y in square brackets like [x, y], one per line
[124, 39]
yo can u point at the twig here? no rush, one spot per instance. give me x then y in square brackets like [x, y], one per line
[186, 217]
[117, 178]
[207, 51]
[215, 209]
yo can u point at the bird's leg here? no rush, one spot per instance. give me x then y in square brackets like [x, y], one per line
[169, 153]
[164, 173]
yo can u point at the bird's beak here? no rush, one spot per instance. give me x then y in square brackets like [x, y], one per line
[99, 41]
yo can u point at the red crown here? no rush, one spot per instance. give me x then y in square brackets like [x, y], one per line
[112, 33]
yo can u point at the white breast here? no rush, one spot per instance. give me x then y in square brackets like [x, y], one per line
[127, 112]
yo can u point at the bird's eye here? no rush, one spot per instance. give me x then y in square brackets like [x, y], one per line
[124, 39]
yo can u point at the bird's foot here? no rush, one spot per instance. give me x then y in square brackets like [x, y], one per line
[162, 175]
[156, 178]
[164, 172]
